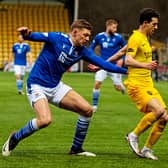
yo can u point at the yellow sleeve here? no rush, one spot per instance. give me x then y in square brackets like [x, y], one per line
[132, 46]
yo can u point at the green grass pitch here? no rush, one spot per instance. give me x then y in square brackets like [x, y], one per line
[116, 116]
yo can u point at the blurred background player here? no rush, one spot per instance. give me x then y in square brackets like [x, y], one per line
[20, 51]
[140, 87]
[155, 56]
[44, 83]
[110, 43]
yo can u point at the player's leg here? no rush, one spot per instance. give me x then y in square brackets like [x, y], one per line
[43, 119]
[19, 82]
[152, 139]
[117, 82]
[142, 126]
[22, 74]
[99, 78]
[141, 97]
[76, 103]
[158, 108]
[155, 112]
[95, 95]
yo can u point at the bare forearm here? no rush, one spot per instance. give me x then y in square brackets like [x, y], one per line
[30, 58]
[10, 58]
[130, 61]
[118, 55]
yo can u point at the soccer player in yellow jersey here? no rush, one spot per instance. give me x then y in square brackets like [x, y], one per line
[140, 86]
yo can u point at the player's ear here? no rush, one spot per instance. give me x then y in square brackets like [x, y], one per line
[145, 22]
[74, 32]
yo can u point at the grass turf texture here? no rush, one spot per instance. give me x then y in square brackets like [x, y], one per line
[116, 116]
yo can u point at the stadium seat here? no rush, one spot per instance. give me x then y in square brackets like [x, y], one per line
[42, 18]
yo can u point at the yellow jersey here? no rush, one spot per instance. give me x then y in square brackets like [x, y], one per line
[139, 48]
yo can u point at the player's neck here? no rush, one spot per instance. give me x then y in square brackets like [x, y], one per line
[71, 39]
[142, 30]
[108, 34]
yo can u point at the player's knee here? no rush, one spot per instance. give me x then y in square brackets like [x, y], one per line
[44, 122]
[88, 112]
[164, 116]
[117, 87]
[161, 113]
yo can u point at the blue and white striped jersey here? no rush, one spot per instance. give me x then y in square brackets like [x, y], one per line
[59, 54]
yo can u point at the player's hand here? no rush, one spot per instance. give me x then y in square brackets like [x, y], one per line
[120, 63]
[24, 31]
[93, 68]
[152, 65]
[7, 67]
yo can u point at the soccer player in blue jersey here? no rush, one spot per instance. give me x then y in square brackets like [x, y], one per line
[44, 83]
[110, 43]
[20, 50]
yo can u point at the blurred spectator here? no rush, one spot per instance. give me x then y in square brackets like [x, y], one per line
[155, 57]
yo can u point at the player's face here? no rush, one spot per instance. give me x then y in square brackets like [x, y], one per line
[20, 39]
[111, 29]
[152, 26]
[81, 37]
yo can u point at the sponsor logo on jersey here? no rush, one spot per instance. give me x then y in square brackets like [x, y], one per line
[149, 92]
[130, 50]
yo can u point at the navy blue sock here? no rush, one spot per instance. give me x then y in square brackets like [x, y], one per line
[27, 130]
[80, 134]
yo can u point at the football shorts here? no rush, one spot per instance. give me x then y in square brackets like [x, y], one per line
[19, 69]
[53, 95]
[101, 75]
[142, 95]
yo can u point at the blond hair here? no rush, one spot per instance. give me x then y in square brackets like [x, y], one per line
[80, 24]
[111, 21]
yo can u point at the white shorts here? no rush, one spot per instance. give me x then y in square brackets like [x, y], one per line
[53, 95]
[19, 69]
[101, 75]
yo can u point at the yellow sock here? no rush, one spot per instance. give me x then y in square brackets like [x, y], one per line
[155, 133]
[144, 123]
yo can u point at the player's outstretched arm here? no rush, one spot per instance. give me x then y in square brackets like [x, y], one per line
[24, 31]
[118, 54]
[33, 36]
[93, 68]
[108, 66]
